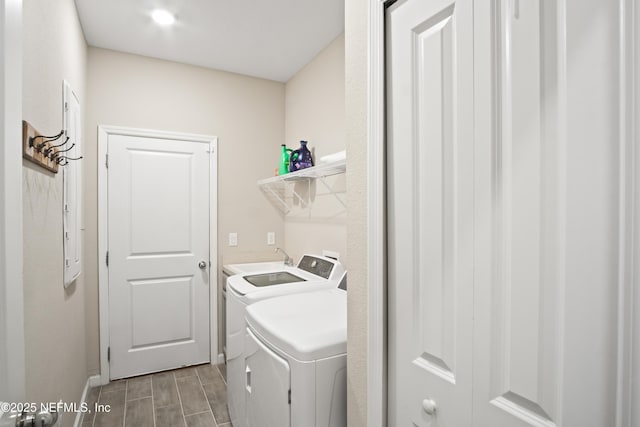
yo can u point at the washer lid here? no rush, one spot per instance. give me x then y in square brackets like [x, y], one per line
[272, 279]
[307, 326]
[242, 287]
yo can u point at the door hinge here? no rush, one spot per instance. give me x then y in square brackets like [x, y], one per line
[66, 106]
[289, 397]
[107, 259]
[106, 161]
[108, 354]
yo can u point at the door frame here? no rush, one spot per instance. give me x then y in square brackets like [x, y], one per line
[376, 224]
[633, 37]
[628, 391]
[12, 339]
[104, 132]
[628, 337]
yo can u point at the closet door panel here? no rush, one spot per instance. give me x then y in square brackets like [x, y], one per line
[521, 304]
[430, 151]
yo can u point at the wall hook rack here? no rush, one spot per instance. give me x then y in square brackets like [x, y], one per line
[39, 148]
[49, 151]
[64, 160]
[45, 139]
[59, 145]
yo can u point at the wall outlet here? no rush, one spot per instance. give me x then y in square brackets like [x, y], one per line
[233, 239]
[271, 238]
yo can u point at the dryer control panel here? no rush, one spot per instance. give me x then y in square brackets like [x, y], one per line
[322, 267]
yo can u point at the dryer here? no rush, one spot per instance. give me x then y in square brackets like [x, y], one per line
[296, 361]
[312, 273]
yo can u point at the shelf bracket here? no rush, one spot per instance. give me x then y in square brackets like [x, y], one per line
[277, 197]
[328, 187]
[303, 202]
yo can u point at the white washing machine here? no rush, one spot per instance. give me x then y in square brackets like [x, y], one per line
[296, 361]
[313, 273]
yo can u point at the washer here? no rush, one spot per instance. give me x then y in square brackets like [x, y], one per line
[313, 273]
[296, 361]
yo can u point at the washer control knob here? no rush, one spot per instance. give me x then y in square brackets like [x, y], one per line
[429, 406]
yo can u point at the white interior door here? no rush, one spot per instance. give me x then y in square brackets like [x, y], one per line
[518, 285]
[430, 208]
[158, 228]
[546, 260]
[530, 178]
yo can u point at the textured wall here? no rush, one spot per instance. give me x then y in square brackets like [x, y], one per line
[245, 113]
[356, 113]
[54, 49]
[314, 111]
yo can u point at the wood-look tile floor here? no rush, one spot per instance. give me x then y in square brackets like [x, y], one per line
[189, 397]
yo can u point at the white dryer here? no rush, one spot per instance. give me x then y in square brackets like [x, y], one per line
[313, 273]
[296, 361]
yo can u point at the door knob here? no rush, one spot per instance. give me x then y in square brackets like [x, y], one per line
[429, 406]
[202, 265]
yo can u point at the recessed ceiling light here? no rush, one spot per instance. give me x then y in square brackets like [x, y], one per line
[163, 17]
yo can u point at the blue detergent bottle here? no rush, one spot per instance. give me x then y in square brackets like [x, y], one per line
[300, 158]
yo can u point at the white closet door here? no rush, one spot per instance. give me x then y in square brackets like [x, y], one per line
[519, 306]
[546, 212]
[430, 207]
[503, 185]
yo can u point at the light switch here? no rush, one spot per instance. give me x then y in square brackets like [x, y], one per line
[233, 239]
[271, 238]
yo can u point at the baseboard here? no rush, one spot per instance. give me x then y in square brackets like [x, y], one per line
[93, 381]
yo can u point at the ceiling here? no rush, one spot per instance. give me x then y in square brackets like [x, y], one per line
[269, 39]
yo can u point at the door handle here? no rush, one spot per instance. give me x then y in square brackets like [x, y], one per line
[429, 406]
[248, 380]
[202, 265]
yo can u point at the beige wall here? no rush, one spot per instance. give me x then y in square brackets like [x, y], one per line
[55, 336]
[247, 115]
[314, 111]
[356, 29]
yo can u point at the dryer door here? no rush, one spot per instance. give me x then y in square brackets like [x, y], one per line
[267, 385]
